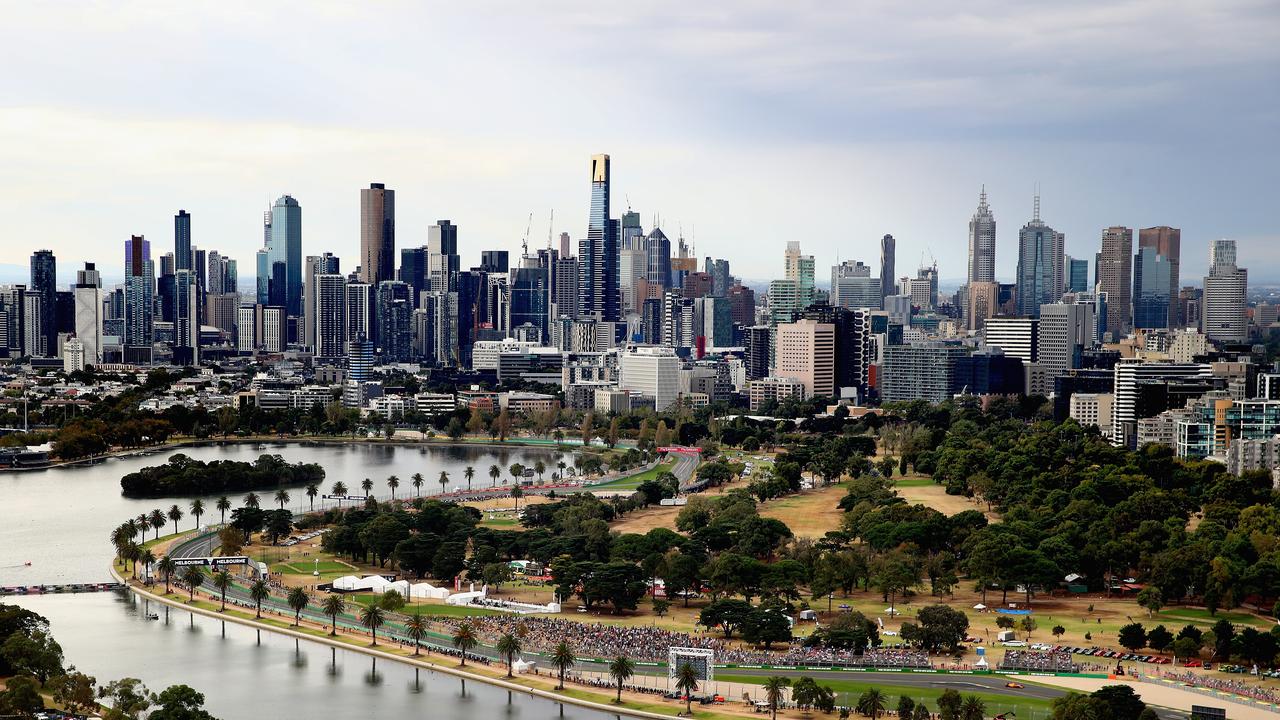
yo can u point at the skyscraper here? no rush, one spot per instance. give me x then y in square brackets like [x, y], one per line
[1040, 258]
[88, 298]
[443, 262]
[1225, 288]
[1077, 275]
[327, 309]
[1153, 288]
[394, 312]
[982, 242]
[186, 319]
[1114, 275]
[316, 265]
[44, 283]
[598, 293]
[1167, 242]
[139, 292]
[657, 259]
[182, 241]
[888, 252]
[377, 234]
[800, 270]
[285, 247]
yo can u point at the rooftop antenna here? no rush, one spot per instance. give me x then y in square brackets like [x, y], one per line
[524, 244]
[550, 227]
[1036, 212]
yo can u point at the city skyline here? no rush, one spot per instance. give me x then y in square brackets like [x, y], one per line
[868, 160]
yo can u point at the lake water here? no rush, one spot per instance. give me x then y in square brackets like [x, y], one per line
[246, 676]
[60, 519]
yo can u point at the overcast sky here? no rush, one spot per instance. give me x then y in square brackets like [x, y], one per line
[744, 124]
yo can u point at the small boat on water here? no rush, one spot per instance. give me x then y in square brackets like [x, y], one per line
[153, 616]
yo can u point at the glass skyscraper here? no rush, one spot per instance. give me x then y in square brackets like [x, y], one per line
[139, 292]
[1152, 288]
[1077, 275]
[598, 295]
[182, 241]
[285, 246]
[1040, 275]
[44, 284]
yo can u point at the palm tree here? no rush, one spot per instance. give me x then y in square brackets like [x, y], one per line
[297, 599]
[282, 498]
[562, 658]
[393, 482]
[539, 467]
[259, 591]
[468, 473]
[372, 617]
[222, 581]
[517, 492]
[313, 489]
[774, 690]
[509, 646]
[333, 606]
[166, 567]
[416, 628]
[146, 557]
[339, 489]
[252, 500]
[223, 506]
[687, 683]
[517, 472]
[444, 481]
[193, 576]
[144, 524]
[464, 638]
[158, 521]
[872, 703]
[417, 481]
[197, 509]
[133, 553]
[495, 472]
[973, 708]
[621, 670]
[175, 514]
[367, 486]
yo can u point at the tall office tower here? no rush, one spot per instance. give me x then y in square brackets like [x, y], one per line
[757, 338]
[186, 318]
[1114, 275]
[697, 284]
[1153, 289]
[88, 294]
[495, 261]
[164, 287]
[377, 234]
[530, 297]
[139, 292]
[44, 283]
[853, 287]
[394, 311]
[214, 281]
[277, 286]
[713, 322]
[633, 266]
[888, 253]
[220, 312]
[1190, 302]
[328, 311]
[1041, 279]
[246, 329]
[784, 301]
[1167, 242]
[566, 246]
[657, 259]
[722, 280]
[1065, 331]
[315, 266]
[983, 300]
[200, 258]
[599, 296]
[1225, 287]
[286, 247]
[413, 269]
[359, 311]
[1077, 275]
[742, 305]
[982, 242]
[33, 341]
[182, 241]
[443, 263]
[800, 270]
[564, 297]
[262, 266]
[631, 235]
[806, 352]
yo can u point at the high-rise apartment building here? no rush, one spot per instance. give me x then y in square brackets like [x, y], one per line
[443, 261]
[799, 269]
[393, 313]
[139, 292]
[285, 246]
[315, 266]
[888, 254]
[182, 241]
[377, 234]
[1017, 336]
[328, 311]
[806, 352]
[88, 298]
[1225, 288]
[983, 303]
[1114, 275]
[44, 285]
[982, 242]
[598, 293]
[652, 372]
[359, 306]
[1167, 243]
[1041, 278]
[186, 318]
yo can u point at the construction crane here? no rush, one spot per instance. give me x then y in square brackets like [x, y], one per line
[525, 243]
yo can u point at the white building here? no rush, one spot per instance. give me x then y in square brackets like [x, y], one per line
[1223, 315]
[1128, 373]
[73, 357]
[650, 371]
[484, 353]
[1093, 409]
[1186, 345]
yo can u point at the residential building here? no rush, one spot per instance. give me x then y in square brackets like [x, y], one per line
[1017, 336]
[1130, 375]
[88, 321]
[799, 269]
[806, 352]
[1225, 288]
[773, 389]
[315, 266]
[1093, 410]
[599, 296]
[1064, 332]
[921, 371]
[377, 234]
[443, 261]
[651, 372]
[888, 252]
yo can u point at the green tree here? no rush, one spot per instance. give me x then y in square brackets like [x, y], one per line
[417, 481]
[128, 697]
[282, 498]
[74, 691]
[223, 505]
[871, 703]
[222, 581]
[33, 653]
[298, 600]
[193, 577]
[973, 708]
[367, 486]
[949, 703]
[686, 676]
[906, 706]
[179, 702]
[333, 606]
[313, 489]
[562, 658]
[393, 482]
[621, 670]
[416, 627]
[468, 473]
[775, 690]
[258, 592]
[21, 697]
[166, 567]
[464, 639]
[372, 616]
[1133, 637]
[1151, 599]
[197, 509]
